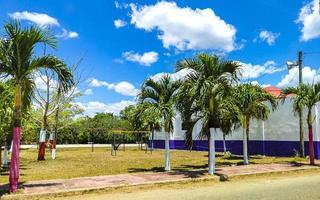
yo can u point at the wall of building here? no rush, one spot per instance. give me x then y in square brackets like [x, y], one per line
[277, 136]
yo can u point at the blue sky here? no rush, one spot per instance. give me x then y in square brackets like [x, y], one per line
[124, 42]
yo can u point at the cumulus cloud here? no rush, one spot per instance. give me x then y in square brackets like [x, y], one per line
[67, 34]
[262, 85]
[40, 19]
[309, 20]
[88, 92]
[125, 88]
[93, 107]
[41, 83]
[309, 75]
[118, 23]
[268, 37]
[185, 28]
[174, 76]
[146, 59]
[251, 71]
[43, 20]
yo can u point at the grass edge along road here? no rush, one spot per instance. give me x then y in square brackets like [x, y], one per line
[81, 162]
[292, 185]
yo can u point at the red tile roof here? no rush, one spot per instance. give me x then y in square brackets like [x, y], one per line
[273, 90]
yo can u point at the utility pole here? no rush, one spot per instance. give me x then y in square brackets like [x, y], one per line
[301, 127]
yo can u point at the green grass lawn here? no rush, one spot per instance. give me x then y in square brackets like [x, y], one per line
[80, 162]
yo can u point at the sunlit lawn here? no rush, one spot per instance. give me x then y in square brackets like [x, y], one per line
[79, 162]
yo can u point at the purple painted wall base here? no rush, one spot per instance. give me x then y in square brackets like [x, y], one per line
[268, 148]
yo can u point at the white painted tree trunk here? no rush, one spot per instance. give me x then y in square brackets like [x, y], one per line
[167, 153]
[5, 157]
[224, 144]
[212, 152]
[42, 135]
[11, 146]
[53, 149]
[245, 147]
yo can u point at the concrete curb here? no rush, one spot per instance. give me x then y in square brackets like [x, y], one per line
[82, 191]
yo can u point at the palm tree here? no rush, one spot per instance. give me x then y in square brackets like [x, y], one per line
[251, 101]
[206, 85]
[161, 95]
[19, 63]
[305, 96]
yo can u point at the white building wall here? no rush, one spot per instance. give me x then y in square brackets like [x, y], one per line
[282, 125]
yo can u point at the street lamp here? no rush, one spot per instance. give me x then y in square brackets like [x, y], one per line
[291, 65]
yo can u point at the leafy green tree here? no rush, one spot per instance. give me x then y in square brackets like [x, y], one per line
[19, 63]
[251, 101]
[305, 96]
[161, 95]
[6, 112]
[207, 84]
[144, 117]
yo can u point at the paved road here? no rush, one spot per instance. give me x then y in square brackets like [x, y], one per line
[298, 187]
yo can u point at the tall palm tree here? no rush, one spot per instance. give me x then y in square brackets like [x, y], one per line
[19, 63]
[207, 84]
[161, 95]
[305, 96]
[251, 101]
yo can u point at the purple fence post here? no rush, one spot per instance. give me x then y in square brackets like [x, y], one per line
[15, 159]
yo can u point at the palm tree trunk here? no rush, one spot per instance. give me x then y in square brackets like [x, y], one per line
[245, 145]
[301, 150]
[212, 152]
[5, 156]
[152, 139]
[0, 154]
[224, 144]
[248, 136]
[15, 157]
[167, 153]
[311, 147]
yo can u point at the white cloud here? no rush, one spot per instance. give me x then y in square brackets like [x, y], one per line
[262, 85]
[268, 37]
[146, 59]
[174, 76]
[40, 19]
[292, 78]
[309, 19]
[125, 88]
[185, 28]
[73, 34]
[88, 92]
[67, 34]
[119, 5]
[43, 20]
[93, 107]
[118, 23]
[41, 82]
[250, 71]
